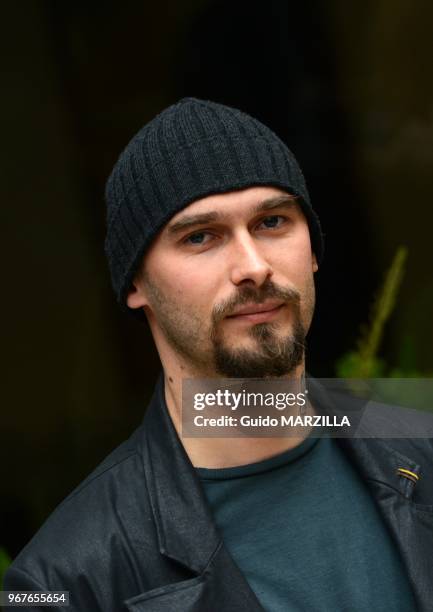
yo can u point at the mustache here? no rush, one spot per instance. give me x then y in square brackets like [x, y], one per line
[256, 295]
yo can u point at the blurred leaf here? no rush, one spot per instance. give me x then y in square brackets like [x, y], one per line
[364, 362]
[351, 365]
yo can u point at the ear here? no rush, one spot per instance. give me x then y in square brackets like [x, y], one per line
[136, 297]
[314, 262]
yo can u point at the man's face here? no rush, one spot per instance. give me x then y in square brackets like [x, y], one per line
[228, 284]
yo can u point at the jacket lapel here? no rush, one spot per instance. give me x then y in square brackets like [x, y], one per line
[221, 586]
[378, 461]
[411, 524]
[186, 531]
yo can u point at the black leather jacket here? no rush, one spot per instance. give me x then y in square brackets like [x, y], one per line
[138, 535]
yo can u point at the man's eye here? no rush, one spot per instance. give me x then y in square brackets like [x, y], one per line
[272, 221]
[197, 238]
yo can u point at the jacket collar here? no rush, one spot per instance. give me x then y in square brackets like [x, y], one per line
[411, 524]
[185, 527]
[378, 461]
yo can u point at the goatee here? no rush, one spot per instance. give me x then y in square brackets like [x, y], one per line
[274, 356]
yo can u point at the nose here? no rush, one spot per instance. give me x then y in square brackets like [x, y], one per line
[249, 264]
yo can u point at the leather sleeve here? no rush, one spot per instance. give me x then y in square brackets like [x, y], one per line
[19, 580]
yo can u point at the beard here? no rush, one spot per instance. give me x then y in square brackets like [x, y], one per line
[272, 354]
[276, 354]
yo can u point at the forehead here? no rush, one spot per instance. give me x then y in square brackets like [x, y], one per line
[231, 205]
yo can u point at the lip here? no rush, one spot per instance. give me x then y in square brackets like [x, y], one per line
[257, 313]
[254, 308]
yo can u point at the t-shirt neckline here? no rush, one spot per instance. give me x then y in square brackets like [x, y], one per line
[258, 467]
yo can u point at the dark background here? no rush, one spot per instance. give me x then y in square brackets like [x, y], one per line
[347, 85]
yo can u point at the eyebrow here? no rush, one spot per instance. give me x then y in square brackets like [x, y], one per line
[188, 221]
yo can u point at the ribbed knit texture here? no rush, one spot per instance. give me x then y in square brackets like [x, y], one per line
[192, 149]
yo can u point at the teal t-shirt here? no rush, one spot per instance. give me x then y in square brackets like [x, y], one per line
[306, 533]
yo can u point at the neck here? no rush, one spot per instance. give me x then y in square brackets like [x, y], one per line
[222, 452]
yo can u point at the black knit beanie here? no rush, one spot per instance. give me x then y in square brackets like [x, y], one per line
[192, 149]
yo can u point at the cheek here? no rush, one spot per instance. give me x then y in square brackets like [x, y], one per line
[298, 257]
[190, 285]
[295, 265]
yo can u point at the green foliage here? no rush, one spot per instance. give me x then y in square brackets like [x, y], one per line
[364, 362]
[385, 382]
[4, 564]
[352, 365]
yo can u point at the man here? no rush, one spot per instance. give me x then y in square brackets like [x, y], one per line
[211, 237]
